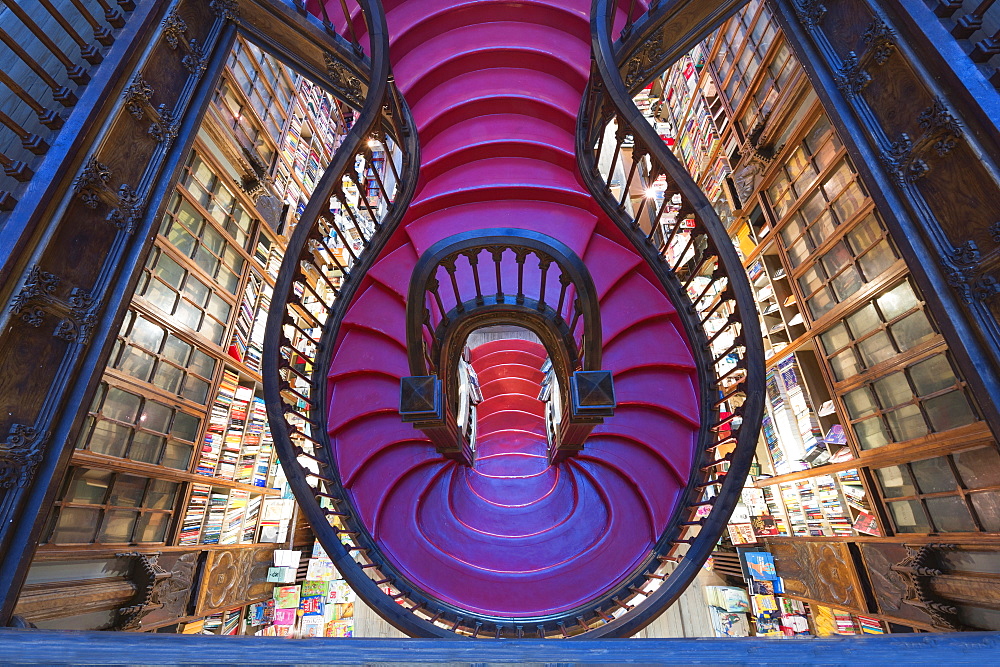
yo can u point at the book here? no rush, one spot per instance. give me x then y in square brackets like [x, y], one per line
[286, 597]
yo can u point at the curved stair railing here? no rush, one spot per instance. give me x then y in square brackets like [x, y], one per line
[325, 245]
[682, 239]
[440, 315]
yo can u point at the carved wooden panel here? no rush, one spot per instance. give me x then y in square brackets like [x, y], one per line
[888, 586]
[234, 577]
[821, 571]
[175, 593]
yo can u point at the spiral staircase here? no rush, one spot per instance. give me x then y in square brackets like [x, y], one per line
[570, 485]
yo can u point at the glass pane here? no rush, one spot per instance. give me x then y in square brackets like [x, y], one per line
[152, 527]
[871, 433]
[877, 260]
[876, 349]
[987, 506]
[212, 330]
[811, 280]
[950, 514]
[933, 475]
[849, 202]
[892, 390]
[208, 262]
[161, 296]
[229, 280]
[75, 525]
[836, 338]
[822, 229]
[859, 403]
[88, 486]
[812, 207]
[847, 283]
[909, 516]
[821, 303]
[188, 315]
[895, 482]
[176, 350]
[161, 494]
[844, 365]
[897, 301]
[181, 238]
[146, 334]
[932, 375]
[837, 180]
[169, 271]
[837, 258]
[118, 526]
[798, 252]
[137, 363]
[219, 308]
[156, 417]
[912, 330]
[146, 447]
[195, 390]
[213, 240]
[128, 491]
[168, 377]
[202, 364]
[196, 290]
[120, 405]
[185, 426]
[864, 235]
[864, 321]
[979, 467]
[177, 455]
[906, 423]
[949, 410]
[109, 438]
[792, 230]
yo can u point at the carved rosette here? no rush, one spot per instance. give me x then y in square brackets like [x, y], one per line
[93, 187]
[343, 80]
[646, 61]
[77, 314]
[880, 39]
[20, 455]
[810, 13]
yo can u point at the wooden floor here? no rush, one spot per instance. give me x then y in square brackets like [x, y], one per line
[688, 617]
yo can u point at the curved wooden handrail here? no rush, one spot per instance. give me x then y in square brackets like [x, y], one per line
[450, 248]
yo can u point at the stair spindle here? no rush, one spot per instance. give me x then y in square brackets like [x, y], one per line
[520, 254]
[31, 142]
[473, 257]
[61, 94]
[101, 32]
[112, 15]
[543, 263]
[966, 25]
[46, 117]
[76, 73]
[15, 168]
[88, 52]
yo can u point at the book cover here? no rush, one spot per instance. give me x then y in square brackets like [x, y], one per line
[763, 525]
[741, 533]
[761, 565]
[311, 605]
[286, 597]
[284, 616]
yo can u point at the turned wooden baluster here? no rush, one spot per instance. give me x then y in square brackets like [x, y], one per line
[31, 142]
[88, 52]
[77, 73]
[971, 22]
[61, 94]
[101, 32]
